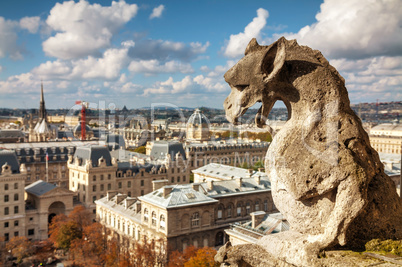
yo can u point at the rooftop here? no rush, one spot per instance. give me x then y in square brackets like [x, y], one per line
[39, 188]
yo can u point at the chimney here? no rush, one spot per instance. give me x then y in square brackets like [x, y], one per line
[111, 194]
[389, 164]
[210, 184]
[256, 218]
[250, 172]
[261, 169]
[138, 206]
[158, 184]
[239, 181]
[166, 190]
[196, 186]
[129, 201]
[257, 179]
[120, 197]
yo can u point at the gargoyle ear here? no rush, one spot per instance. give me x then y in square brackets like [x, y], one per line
[252, 47]
[274, 59]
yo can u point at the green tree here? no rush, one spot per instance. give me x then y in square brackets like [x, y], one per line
[140, 149]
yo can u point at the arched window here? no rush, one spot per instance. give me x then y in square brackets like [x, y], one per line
[146, 215]
[154, 218]
[238, 210]
[248, 208]
[229, 210]
[162, 223]
[220, 210]
[195, 219]
[257, 205]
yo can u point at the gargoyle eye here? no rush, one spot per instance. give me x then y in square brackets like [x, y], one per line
[241, 87]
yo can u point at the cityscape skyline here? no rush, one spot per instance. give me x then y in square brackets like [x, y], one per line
[136, 53]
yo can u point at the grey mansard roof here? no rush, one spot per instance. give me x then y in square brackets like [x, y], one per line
[93, 153]
[226, 172]
[39, 188]
[9, 157]
[161, 149]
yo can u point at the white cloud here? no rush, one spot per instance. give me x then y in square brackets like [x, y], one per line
[210, 84]
[1, 68]
[30, 23]
[350, 29]
[157, 12]
[170, 86]
[106, 67]
[238, 42]
[372, 78]
[82, 29]
[153, 66]
[24, 82]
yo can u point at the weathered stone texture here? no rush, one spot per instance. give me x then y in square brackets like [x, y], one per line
[326, 178]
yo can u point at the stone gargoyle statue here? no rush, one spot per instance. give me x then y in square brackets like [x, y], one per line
[326, 179]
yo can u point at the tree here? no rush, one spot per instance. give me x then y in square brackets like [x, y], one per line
[204, 258]
[68, 232]
[140, 149]
[20, 247]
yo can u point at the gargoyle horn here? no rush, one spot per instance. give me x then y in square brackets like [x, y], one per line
[252, 46]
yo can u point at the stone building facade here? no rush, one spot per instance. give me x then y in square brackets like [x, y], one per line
[27, 210]
[386, 138]
[12, 204]
[93, 172]
[188, 214]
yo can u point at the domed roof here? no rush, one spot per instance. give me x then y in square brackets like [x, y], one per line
[77, 128]
[197, 118]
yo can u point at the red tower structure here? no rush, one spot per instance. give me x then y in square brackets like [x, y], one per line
[83, 118]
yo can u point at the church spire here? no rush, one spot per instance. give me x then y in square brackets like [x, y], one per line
[42, 110]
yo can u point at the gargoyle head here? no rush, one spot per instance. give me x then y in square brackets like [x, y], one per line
[251, 79]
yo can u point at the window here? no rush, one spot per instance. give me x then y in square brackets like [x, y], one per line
[16, 197]
[16, 223]
[184, 178]
[172, 170]
[6, 225]
[109, 187]
[142, 173]
[142, 182]
[154, 218]
[94, 188]
[102, 187]
[5, 186]
[248, 208]
[129, 184]
[16, 233]
[93, 199]
[257, 205]
[6, 211]
[146, 215]
[28, 178]
[229, 211]
[54, 175]
[31, 231]
[220, 208]
[30, 219]
[265, 205]
[239, 209]
[195, 219]
[162, 222]
[142, 192]
[119, 184]
[172, 179]
[94, 178]
[6, 237]
[109, 177]
[37, 177]
[5, 198]
[178, 179]
[15, 209]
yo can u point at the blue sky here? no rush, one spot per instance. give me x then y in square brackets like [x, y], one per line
[138, 53]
